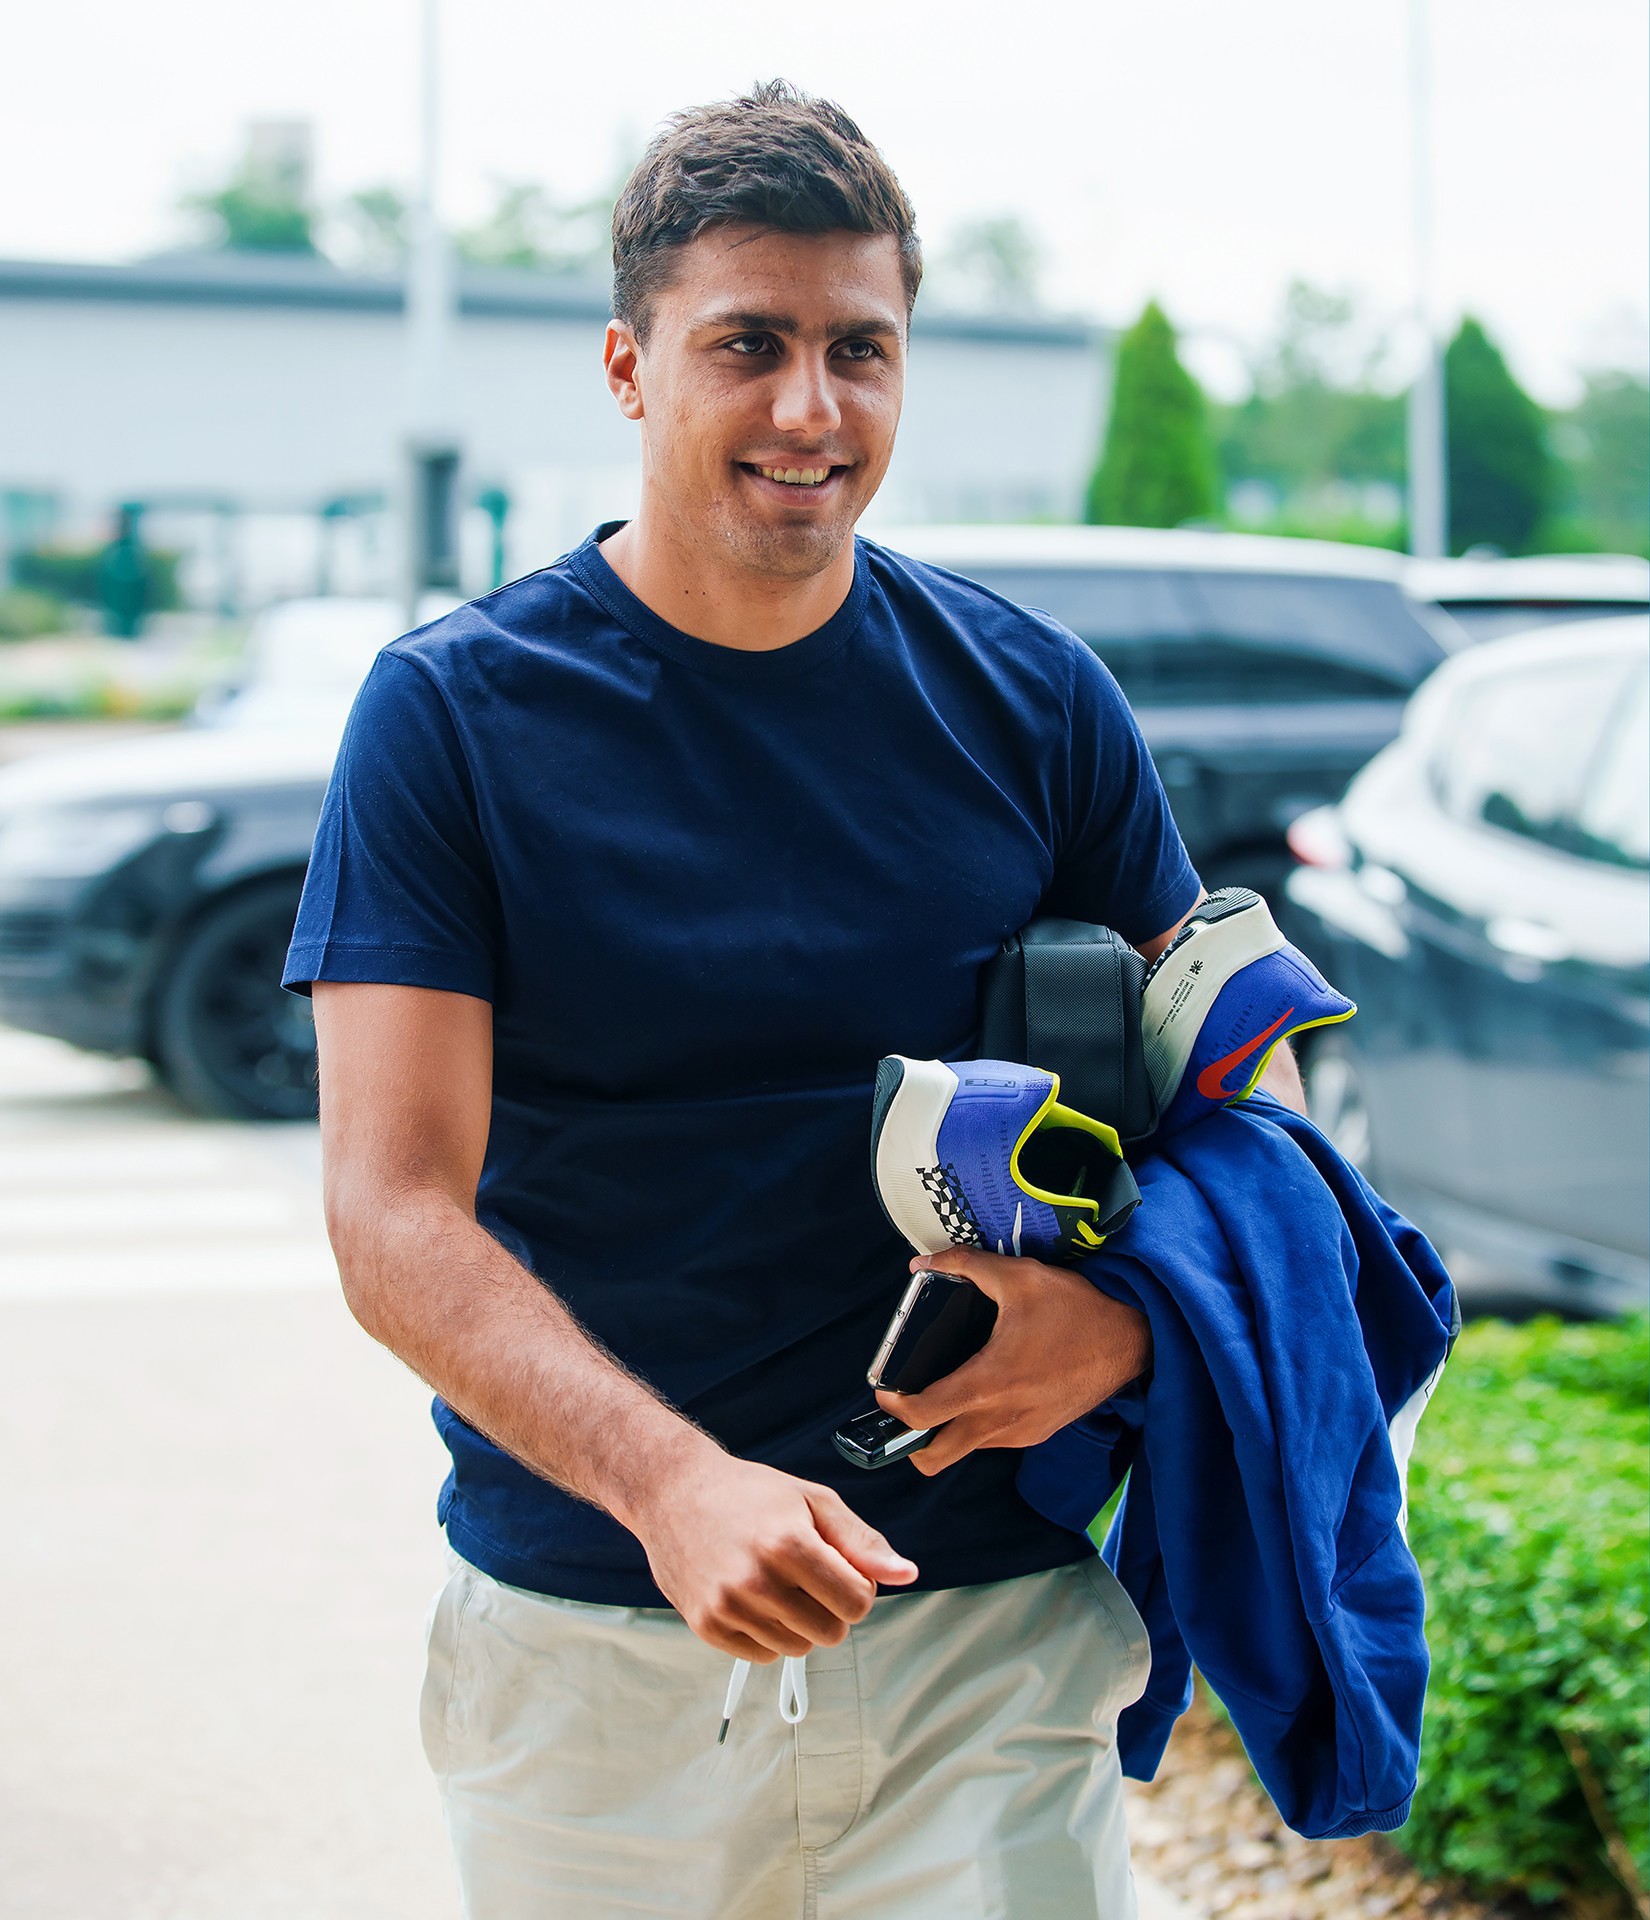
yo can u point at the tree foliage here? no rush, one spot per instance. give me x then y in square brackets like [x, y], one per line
[375, 222]
[1158, 466]
[1604, 481]
[1316, 413]
[992, 265]
[530, 227]
[1500, 470]
[264, 207]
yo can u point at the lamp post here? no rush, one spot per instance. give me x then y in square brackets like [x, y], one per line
[432, 450]
[1428, 473]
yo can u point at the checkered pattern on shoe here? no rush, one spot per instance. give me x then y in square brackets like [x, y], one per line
[951, 1204]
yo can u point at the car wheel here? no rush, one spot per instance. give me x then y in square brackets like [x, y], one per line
[231, 1041]
[1335, 1101]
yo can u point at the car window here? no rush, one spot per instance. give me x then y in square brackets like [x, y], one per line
[1359, 626]
[1283, 641]
[1215, 671]
[1517, 750]
[1615, 809]
[1492, 619]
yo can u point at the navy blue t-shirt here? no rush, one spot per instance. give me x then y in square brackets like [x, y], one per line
[705, 891]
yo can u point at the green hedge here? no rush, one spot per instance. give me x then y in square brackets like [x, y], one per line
[73, 573]
[1530, 1516]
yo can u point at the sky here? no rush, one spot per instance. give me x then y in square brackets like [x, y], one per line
[1198, 151]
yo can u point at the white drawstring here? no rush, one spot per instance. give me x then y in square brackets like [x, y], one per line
[793, 1692]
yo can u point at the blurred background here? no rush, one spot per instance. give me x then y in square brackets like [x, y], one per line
[1295, 357]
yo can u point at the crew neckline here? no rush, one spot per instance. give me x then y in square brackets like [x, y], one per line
[707, 656]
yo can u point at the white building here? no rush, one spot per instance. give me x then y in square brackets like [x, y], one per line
[255, 404]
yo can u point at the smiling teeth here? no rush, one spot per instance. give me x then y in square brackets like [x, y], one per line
[796, 476]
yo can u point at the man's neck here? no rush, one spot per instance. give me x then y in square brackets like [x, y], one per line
[702, 593]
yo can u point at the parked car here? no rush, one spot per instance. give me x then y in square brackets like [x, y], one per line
[1483, 893]
[148, 888]
[1490, 597]
[146, 892]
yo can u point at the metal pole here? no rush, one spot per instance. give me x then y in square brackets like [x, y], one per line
[1428, 472]
[430, 508]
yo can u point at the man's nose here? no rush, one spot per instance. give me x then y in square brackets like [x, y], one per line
[804, 402]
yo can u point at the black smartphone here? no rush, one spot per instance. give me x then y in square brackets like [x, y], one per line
[941, 1322]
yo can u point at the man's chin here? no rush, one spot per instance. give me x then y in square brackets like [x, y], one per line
[797, 551]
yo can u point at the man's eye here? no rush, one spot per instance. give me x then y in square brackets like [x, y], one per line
[750, 344]
[860, 350]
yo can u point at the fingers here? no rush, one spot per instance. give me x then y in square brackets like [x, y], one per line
[860, 1545]
[995, 1274]
[954, 1442]
[975, 1381]
[802, 1590]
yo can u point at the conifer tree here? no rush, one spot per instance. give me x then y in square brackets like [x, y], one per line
[1158, 466]
[1500, 472]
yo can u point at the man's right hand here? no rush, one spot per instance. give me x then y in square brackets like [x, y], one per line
[759, 1563]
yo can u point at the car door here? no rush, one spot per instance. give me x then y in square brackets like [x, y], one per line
[1534, 954]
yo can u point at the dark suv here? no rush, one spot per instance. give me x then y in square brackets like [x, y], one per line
[146, 892]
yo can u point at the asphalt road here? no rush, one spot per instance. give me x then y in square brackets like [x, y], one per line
[219, 1536]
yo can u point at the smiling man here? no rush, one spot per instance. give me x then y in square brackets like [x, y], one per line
[628, 875]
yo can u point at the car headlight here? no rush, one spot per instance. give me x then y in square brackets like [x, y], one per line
[73, 843]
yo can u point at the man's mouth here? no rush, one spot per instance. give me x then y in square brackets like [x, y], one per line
[792, 476]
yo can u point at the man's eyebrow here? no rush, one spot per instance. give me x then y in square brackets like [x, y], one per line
[743, 320]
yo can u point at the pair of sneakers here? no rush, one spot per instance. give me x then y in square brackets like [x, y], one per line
[981, 1153]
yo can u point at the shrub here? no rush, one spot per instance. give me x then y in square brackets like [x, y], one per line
[72, 573]
[1528, 1505]
[26, 613]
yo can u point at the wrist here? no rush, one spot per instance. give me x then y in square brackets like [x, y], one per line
[657, 1463]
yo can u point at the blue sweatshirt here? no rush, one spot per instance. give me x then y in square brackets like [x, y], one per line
[1298, 1326]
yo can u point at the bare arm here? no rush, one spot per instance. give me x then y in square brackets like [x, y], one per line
[759, 1563]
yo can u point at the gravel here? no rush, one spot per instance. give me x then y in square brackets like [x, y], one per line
[1205, 1830]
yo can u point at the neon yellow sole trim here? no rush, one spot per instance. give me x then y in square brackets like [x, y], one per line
[1328, 1020]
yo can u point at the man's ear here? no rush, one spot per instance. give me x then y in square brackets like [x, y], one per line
[622, 357]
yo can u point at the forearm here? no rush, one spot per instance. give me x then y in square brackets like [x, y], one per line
[425, 1280]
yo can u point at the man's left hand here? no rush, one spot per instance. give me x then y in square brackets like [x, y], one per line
[1059, 1348]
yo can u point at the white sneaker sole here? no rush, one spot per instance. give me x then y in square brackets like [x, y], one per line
[1178, 1001]
[909, 1140]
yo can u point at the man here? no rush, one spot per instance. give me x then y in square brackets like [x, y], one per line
[628, 875]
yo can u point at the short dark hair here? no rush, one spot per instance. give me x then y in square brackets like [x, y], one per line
[775, 158]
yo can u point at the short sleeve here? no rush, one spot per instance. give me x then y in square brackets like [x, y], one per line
[399, 889]
[1122, 862]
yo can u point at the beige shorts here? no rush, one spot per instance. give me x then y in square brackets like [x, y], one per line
[957, 1760]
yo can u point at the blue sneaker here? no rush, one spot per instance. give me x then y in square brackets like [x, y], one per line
[1220, 999]
[982, 1154]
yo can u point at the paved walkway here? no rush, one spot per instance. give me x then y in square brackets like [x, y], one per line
[219, 1531]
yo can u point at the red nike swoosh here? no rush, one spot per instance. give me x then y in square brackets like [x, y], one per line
[1211, 1081]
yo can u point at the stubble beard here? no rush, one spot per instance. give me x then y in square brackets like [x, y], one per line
[785, 553]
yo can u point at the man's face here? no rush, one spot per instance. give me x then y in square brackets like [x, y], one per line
[769, 390]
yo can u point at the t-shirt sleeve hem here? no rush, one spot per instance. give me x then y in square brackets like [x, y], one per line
[386, 966]
[1164, 908]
